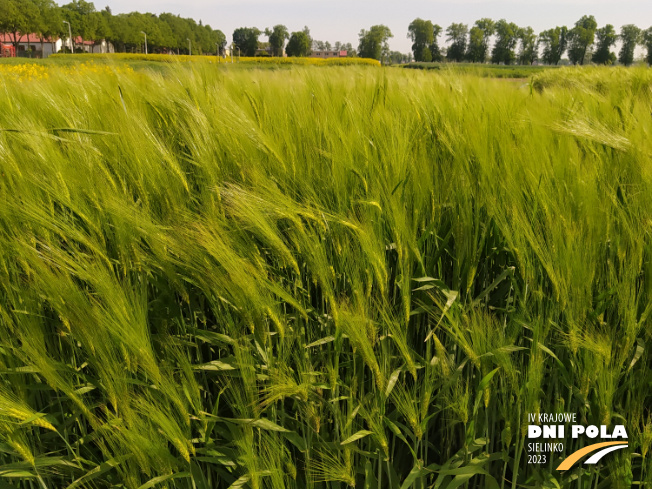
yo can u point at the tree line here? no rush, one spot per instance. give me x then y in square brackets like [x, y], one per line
[169, 33]
[165, 32]
[373, 42]
[299, 43]
[583, 43]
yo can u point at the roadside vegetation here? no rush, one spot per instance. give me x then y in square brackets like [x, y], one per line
[166, 58]
[481, 69]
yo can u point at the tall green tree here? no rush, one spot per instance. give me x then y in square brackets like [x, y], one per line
[179, 30]
[580, 39]
[168, 33]
[529, 51]
[630, 36]
[215, 38]
[165, 33]
[554, 43]
[474, 49]
[18, 18]
[435, 52]
[277, 37]
[647, 42]
[456, 36]
[321, 45]
[129, 31]
[83, 22]
[299, 44]
[246, 38]
[421, 33]
[397, 58]
[506, 41]
[50, 25]
[102, 30]
[374, 42]
[479, 35]
[606, 37]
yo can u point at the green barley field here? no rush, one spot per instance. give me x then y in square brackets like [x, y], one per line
[322, 277]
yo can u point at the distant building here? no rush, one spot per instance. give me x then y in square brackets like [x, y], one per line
[328, 54]
[44, 47]
[102, 46]
[264, 49]
[33, 42]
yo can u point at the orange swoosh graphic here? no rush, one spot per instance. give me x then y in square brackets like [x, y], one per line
[575, 456]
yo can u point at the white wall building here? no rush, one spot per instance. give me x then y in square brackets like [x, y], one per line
[45, 47]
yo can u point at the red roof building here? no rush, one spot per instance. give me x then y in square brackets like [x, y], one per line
[36, 39]
[33, 43]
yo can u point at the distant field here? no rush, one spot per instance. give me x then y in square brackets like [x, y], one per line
[167, 58]
[153, 61]
[351, 276]
[159, 63]
[484, 70]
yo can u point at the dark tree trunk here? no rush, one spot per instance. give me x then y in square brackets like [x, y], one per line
[16, 41]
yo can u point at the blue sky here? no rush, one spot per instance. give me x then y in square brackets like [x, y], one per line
[341, 20]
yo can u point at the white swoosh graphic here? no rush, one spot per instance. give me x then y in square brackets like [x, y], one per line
[596, 457]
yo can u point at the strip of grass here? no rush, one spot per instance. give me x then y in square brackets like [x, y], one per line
[259, 61]
[483, 70]
[161, 63]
